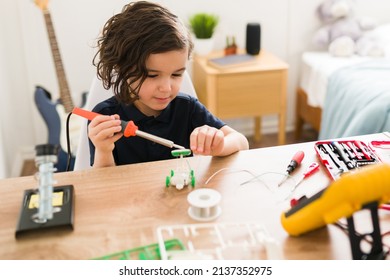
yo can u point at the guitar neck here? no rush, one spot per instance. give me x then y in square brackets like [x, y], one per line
[65, 96]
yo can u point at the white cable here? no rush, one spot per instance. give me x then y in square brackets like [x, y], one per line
[227, 168]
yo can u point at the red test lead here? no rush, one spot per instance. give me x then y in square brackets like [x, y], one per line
[312, 168]
[295, 161]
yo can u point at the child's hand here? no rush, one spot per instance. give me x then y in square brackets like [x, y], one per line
[206, 140]
[104, 131]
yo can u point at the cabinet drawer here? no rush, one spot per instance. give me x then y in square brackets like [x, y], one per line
[249, 94]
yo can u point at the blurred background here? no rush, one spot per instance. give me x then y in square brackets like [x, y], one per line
[26, 60]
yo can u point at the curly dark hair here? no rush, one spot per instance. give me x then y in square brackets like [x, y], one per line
[129, 38]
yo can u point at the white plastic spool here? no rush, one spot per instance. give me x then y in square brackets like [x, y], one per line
[204, 204]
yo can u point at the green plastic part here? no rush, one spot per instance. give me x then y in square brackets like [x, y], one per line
[149, 252]
[193, 181]
[183, 152]
[167, 181]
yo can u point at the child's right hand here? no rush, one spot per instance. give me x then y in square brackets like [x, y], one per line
[104, 131]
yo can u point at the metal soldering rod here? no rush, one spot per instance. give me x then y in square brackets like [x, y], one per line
[159, 140]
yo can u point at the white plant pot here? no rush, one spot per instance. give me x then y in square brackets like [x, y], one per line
[203, 46]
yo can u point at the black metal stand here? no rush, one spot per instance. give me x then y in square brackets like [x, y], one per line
[376, 252]
[46, 207]
[62, 217]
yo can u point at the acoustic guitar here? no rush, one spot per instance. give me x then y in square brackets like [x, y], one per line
[56, 112]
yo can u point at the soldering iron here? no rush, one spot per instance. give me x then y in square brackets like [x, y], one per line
[130, 129]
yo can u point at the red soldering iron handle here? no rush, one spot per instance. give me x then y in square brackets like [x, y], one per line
[298, 157]
[84, 113]
[128, 128]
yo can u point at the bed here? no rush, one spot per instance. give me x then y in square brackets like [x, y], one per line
[342, 97]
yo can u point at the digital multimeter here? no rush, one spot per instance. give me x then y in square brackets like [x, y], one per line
[342, 198]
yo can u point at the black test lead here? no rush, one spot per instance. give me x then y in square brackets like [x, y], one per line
[295, 161]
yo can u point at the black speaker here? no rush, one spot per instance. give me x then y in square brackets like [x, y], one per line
[253, 37]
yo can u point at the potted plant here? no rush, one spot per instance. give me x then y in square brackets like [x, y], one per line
[203, 26]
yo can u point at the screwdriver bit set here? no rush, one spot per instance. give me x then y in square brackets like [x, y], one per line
[343, 156]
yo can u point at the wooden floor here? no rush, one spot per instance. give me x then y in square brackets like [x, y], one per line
[268, 140]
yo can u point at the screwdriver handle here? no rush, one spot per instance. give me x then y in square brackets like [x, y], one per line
[295, 161]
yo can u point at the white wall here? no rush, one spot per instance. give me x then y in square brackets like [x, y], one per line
[17, 128]
[26, 61]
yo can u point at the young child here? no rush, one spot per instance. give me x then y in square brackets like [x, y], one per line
[142, 54]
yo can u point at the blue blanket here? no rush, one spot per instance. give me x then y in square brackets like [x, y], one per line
[357, 100]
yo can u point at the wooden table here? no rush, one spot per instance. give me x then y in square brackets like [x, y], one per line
[252, 90]
[120, 208]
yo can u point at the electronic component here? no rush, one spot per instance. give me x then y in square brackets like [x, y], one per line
[183, 175]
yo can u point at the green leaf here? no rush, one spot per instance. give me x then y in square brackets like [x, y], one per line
[203, 25]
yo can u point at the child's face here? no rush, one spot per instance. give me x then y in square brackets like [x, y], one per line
[165, 75]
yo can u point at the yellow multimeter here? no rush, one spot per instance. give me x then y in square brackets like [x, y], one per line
[340, 199]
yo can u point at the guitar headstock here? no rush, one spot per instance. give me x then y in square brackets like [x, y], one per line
[42, 4]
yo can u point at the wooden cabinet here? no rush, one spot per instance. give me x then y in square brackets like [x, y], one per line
[253, 90]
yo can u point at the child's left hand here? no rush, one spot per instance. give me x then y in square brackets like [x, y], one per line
[206, 140]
